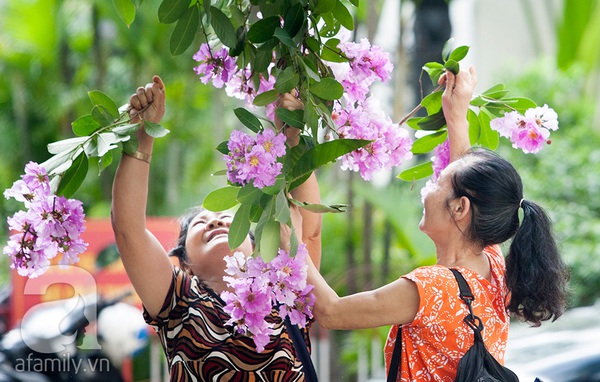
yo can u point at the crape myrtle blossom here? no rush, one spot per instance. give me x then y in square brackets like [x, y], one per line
[527, 132]
[218, 66]
[391, 144]
[51, 225]
[439, 161]
[254, 159]
[259, 287]
[242, 86]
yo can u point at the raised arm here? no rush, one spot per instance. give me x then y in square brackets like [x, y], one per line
[307, 191]
[455, 103]
[144, 258]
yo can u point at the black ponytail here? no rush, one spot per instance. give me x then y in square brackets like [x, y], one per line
[536, 275]
[535, 272]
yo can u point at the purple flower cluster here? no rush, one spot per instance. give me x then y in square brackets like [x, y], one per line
[254, 159]
[391, 144]
[222, 70]
[527, 132]
[218, 67]
[51, 225]
[368, 63]
[259, 287]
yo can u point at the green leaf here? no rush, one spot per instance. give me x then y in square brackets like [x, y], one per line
[249, 195]
[447, 49]
[274, 189]
[433, 122]
[417, 172]
[459, 53]
[294, 19]
[321, 208]
[105, 142]
[240, 226]
[452, 66]
[170, 11]
[324, 153]
[287, 80]
[66, 145]
[494, 89]
[309, 69]
[413, 122]
[238, 18]
[155, 130]
[294, 118]
[474, 129]
[331, 52]
[341, 14]
[223, 27]
[101, 115]
[434, 70]
[85, 125]
[73, 177]
[100, 99]
[107, 256]
[269, 240]
[429, 142]
[127, 129]
[248, 119]
[105, 161]
[282, 209]
[222, 148]
[311, 118]
[520, 104]
[185, 31]
[125, 10]
[328, 89]
[265, 98]
[284, 37]
[488, 137]
[323, 6]
[262, 59]
[221, 199]
[433, 102]
[262, 30]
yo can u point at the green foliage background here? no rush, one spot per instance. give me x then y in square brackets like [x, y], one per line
[52, 52]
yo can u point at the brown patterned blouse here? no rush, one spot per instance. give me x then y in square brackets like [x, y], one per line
[200, 347]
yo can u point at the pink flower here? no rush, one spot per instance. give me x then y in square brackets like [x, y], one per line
[251, 159]
[218, 67]
[259, 287]
[528, 132]
[441, 158]
[51, 225]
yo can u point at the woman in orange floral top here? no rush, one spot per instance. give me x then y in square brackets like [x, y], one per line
[473, 207]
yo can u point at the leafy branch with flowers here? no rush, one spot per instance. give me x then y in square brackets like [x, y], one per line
[256, 50]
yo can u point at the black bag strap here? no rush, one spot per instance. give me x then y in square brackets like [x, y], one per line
[395, 363]
[310, 374]
[467, 296]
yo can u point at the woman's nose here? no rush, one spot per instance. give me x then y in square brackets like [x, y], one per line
[216, 222]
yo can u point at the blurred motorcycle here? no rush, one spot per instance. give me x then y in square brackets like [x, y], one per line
[54, 343]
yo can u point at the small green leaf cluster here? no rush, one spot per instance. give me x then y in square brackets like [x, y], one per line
[97, 134]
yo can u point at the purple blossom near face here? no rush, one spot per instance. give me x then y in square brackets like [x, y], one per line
[51, 225]
[218, 66]
[527, 132]
[441, 158]
[257, 287]
[241, 86]
[251, 159]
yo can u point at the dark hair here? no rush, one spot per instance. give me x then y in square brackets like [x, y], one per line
[536, 275]
[184, 221]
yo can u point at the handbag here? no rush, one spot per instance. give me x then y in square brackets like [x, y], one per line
[477, 365]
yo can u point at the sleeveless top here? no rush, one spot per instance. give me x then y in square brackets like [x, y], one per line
[200, 347]
[434, 342]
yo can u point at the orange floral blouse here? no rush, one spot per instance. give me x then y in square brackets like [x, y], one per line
[434, 342]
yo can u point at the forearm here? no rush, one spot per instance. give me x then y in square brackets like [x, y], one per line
[312, 222]
[458, 138]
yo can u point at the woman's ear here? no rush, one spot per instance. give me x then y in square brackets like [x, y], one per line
[461, 208]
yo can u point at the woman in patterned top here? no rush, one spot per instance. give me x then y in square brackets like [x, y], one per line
[183, 304]
[472, 209]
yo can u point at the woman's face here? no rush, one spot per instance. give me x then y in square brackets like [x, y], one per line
[436, 220]
[207, 243]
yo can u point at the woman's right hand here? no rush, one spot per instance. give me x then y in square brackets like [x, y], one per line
[148, 102]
